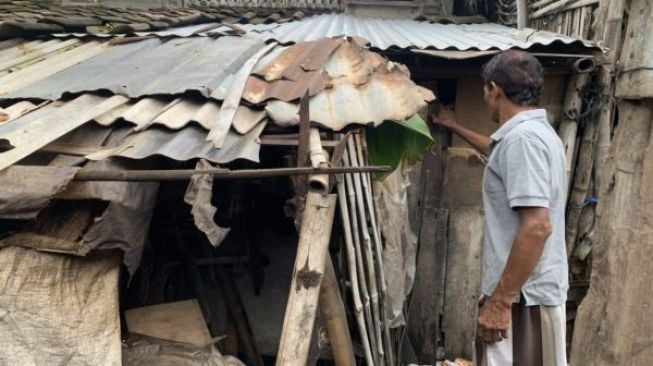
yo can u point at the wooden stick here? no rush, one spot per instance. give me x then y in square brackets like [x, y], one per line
[239, 315]
[333, 314]
[568, 129]
[174, 175]
[362, 280]
[312, 252]
[367, 246]
[353, 273]
[377, 249]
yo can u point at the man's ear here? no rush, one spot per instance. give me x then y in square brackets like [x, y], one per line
[496, 91]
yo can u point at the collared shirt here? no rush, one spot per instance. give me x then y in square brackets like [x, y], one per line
[526, 168]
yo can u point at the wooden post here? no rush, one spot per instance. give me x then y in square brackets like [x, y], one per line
[333, 314]
[312, 253]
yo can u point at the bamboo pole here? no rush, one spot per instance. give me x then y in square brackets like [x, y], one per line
[377, 246]
[612, 40]
[522, 14]
[362, 279]
[551, 8]
[319, 159]
[568, 129]
[174, 175]
[353, 273]
[367, 246]
[335, 320]
[312, 252]
[581, 184]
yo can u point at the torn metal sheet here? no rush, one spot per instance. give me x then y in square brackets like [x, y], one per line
[401, 99]
[58, 309]
[31, 132]
[151, 67]
[26, 190]
[199, 195]
[185, 144]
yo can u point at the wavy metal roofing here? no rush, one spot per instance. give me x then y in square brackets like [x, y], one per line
[403, 33]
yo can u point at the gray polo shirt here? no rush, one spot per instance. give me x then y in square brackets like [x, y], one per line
[526, 168]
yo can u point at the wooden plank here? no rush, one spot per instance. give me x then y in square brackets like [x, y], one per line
[34, 134]
[232, 100]
[312, 253]
[462, 195]
[180, 321]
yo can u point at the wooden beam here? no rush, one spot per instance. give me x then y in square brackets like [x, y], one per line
[312, 253]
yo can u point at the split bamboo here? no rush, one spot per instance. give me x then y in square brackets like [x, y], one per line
[367, 246]
[378, 248]
[353, 272]
[362, 278]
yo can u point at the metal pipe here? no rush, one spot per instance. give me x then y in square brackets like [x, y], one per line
[175, 175]
[584, 65]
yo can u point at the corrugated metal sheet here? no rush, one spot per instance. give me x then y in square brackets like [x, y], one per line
[152, 67]
[185, 144]
[386, 33]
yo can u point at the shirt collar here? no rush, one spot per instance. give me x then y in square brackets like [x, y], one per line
[533, 114]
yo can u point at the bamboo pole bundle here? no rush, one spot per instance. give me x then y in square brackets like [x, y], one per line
[362, 280]
[568, 129]
[352, 265]
[581, 184]
[377, 245]
[367, 246]
[551, 8]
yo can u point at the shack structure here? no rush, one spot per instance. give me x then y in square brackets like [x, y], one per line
[245, 167]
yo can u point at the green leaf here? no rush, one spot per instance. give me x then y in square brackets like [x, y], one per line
[393, 141]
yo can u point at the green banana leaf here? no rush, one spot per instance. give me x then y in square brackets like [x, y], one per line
[393, 141]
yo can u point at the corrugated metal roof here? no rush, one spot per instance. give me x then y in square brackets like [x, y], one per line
[150, 80]
[151, 67]
[403, 33]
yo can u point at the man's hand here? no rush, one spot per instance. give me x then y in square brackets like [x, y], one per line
[493, 320]
[444, 118]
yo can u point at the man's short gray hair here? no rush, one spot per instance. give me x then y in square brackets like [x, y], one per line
[518, 73]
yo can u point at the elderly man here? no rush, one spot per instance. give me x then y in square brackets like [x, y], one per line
[521, 319]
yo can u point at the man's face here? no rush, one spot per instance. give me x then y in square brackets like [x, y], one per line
[491, 97]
